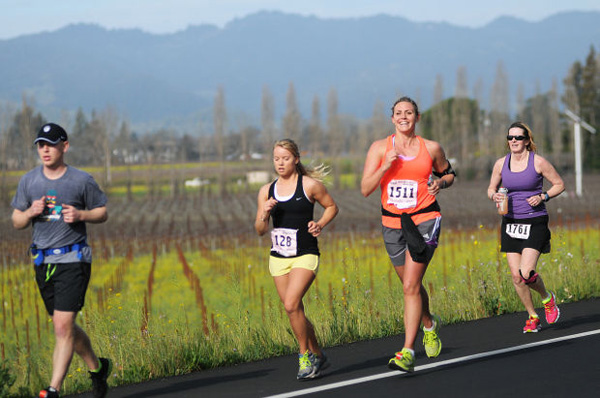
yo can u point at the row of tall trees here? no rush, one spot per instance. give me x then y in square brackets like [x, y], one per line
[473, 136]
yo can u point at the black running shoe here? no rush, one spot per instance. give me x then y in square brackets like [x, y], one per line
[49, 392]
[99, 378]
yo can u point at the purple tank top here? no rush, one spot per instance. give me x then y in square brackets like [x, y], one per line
[521, 185]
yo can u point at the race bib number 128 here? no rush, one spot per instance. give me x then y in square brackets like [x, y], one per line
[284, 241]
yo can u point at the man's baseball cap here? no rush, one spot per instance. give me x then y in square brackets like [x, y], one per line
[51, 133]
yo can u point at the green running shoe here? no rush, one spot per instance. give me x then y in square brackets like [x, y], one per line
[320, 363]
[403, 361]
[431, 340]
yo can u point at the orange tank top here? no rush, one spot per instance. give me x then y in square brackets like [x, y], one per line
[404, 187]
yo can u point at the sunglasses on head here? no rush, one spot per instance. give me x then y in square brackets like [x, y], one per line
[516, 137]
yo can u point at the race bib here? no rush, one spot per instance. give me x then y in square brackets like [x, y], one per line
[402, 193]
[284, 241]
[518, 231]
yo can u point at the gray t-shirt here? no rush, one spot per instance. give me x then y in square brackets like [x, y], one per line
[76, 188]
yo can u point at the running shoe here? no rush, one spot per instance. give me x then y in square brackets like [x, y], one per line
[431, 340]
[100, 386]
[319, 362]
[404, 361]
[48, 392]
[552, 311]
[532, 325]
[306, 368]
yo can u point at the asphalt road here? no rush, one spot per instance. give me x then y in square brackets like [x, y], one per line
[485, 358]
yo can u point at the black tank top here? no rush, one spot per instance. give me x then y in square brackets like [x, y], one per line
[295, 214]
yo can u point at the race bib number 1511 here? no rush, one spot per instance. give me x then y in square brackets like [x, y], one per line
[402, 193]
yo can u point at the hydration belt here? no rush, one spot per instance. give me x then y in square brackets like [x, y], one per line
[431, 208]
[417, 247]
[38, 255]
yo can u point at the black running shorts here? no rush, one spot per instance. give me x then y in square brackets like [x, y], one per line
[518, 234]
[63, 286]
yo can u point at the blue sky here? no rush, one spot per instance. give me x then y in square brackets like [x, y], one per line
[20, 17]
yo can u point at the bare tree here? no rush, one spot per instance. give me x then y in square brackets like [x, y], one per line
[379, 125]
[244, 137]
[334, 129]
[478, 92]
[461, 129]
[554, 124]
[590, 106]
[439, 112]
[125, 154]
[202, 147]
[109, 123]
[6, 113]
[27, 133]
[292, 118]
[499, 112]
[314, 128]
[268, 120]
[520, 101]
[462, 88]
[438, 90]
[219, 120]
[572, 84]
[482, 128]
[538, 117]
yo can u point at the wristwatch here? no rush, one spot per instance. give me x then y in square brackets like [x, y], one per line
[546, 196]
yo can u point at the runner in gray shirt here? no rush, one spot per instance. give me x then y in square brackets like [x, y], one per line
[58, 200]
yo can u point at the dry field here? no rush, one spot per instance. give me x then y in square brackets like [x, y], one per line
[136, 224]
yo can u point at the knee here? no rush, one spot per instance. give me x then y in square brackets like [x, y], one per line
[411, 288]
[528, 278]
[517, 280]
[63, 329]
[291, 305]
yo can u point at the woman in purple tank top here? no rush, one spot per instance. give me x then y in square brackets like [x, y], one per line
[524, 231]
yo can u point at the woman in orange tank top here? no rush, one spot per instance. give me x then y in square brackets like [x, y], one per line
[402, 166]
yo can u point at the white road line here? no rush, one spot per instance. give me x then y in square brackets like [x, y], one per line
[431, 365]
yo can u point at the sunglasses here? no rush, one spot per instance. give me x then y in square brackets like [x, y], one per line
[516, 137]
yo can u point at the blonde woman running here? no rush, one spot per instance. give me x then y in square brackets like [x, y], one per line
[294, 259]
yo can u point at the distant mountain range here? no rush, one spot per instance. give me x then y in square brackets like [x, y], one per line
[171, 80]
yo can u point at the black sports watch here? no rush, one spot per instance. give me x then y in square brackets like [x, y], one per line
[546, 196]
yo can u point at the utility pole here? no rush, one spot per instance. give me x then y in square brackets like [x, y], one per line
[577, 140]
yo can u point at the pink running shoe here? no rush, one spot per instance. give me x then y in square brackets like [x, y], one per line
[552, 311]
[532, 325]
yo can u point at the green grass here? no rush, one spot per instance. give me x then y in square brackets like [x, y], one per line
[170, 312]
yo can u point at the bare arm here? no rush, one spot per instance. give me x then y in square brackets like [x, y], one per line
[94, 216]
[440, 164]
[376, 164]
[495, 181]
[317, 191]
[263, 210]
[22, 219]
[548, 171]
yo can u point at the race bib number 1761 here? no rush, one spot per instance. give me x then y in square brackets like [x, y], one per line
[518, 231]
